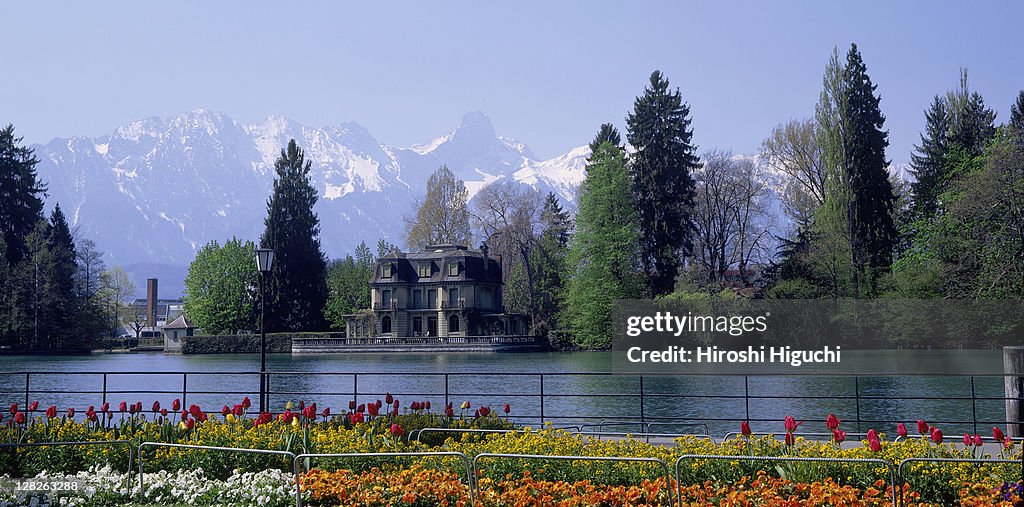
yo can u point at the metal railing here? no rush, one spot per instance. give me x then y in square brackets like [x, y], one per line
[559, 397]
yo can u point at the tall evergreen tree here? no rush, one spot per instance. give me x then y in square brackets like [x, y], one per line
[549, 265]
[607, 133]
[21, 193]
[659, 130]
[929, 159]
[972, 125]
[604, 253]
[60, 316]
[1017, 118]
[860, 196]
[297, 289]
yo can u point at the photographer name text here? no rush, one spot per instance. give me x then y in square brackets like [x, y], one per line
[714, 355]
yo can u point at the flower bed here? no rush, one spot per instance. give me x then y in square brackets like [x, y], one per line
[384, 427]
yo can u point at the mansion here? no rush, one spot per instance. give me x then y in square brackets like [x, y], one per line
[443, 291]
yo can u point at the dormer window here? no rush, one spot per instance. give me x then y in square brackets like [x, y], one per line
[424, 270]
[453, 268]
[385, 270]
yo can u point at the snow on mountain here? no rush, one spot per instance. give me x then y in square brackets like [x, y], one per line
[157, 189]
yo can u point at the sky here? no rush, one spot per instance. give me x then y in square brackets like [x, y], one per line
[548, 73]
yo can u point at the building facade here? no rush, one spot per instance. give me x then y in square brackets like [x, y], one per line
[444, 291]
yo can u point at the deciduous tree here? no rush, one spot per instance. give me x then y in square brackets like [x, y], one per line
[442, 217]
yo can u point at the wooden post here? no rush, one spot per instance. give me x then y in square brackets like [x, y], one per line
[1013, 367]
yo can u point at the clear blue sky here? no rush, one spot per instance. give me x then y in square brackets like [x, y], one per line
[549, 72]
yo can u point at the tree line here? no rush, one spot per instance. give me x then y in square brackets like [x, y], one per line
[56, 294]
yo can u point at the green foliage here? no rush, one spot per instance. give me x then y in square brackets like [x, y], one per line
[604, 252]
[663, 188]
[348, 285]
[443, 216]
[220, 287]
[21, 194]
[277, 343]
[296, 289]
[550, 263]
[606, 134]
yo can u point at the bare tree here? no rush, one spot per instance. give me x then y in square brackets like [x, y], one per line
[507, 215]
[792, 149]
[115, 288]
[135, 319]
[90, 268]
[730, 215]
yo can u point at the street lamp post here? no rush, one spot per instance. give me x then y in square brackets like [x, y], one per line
[264, 261]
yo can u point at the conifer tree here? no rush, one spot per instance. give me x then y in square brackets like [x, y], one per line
[296, 289]
[971, 125]
[929, 158]
[60, 318]
[1017, 118]
[21, 193]
[549, 265]
[604, 252]
[659, 130]
[607, 133]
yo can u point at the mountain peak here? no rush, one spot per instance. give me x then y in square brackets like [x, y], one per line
[477, 124]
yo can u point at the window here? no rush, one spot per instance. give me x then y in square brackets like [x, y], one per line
[385, 325]
[453, 298]
[417, 299]
[432, 298]
[453, 268]
[453, 324]
[417, 326]
[385, 270]
[385, 299]
[424, 270]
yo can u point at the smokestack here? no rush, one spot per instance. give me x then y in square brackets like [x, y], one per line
[151, 298]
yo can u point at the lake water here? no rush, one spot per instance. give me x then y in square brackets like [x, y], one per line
[578, 387]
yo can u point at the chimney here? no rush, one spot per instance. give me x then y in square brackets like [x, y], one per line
[151, 298]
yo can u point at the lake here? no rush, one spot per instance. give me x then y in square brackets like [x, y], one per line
[578, 387]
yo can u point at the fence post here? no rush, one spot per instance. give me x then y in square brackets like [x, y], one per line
[27, 415]
[641, 399]
[746, 398]
[1013, 382]
[355, 388]
[104, 387]
[856, 394]
[541, 399]
[974, 406]
[184, 389]
[446, 389]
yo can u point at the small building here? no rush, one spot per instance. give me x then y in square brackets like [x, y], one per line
[443, 291]
[175, 332]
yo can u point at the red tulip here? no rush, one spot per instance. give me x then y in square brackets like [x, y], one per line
[396, 430]
[361, 407]
[355, 417]
[373, 410]
[246, 403]
[309, 412]
[465, 405]
[791, 424]
[194, 410]
[71, 412]
[838, 436]
[745, 428]
[14, 408]
[302, 405]
[105, 407]
[176, 405]
[389, 399]
[238, 410]
[1007, 443]
[163, 412]
[832, 422]
[476, 414]
[485, 411]
[184, 415]
[395, 405]
[352, 405]
[33, 406]
[156, 406]
[448, 411]
[225, 411]
[122, 407]
[202, 416]
[427, 403]
[507, 409]
[936, 435]
[191, 423]
[997, 434]
[922, 427]
[379, 404]
[875, 444]
[51, 412]
[790, 440]
[326, 412]
[872, 435]
[977, 440]
[138, 406]
[901, 430]
[414, 405]
[967, 440]
[19, 418]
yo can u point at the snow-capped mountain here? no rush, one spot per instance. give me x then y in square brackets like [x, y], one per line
[157, 189]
